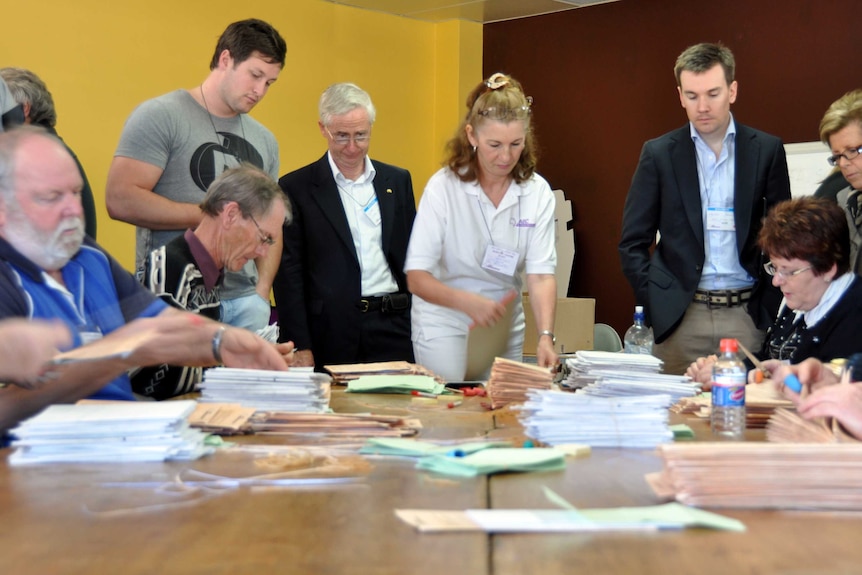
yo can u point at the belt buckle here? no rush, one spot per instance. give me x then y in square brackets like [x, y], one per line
[364, 305]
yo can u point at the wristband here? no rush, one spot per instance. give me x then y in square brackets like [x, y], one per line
[217, 339]
[550, 334]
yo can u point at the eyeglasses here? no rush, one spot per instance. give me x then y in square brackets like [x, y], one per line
[343, 139]
[770, 268]
[848, 155]
[516, 113]
[264, 237]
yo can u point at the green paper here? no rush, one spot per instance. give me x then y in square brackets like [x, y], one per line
[682, 431]
[400, 446]
[395, 384]
[490, 461]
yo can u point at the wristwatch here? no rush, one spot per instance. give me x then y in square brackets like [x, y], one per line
[549, 333]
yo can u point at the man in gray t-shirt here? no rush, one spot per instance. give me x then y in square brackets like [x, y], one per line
[174, 146]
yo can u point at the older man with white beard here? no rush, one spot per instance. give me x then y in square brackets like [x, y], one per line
[49, 270]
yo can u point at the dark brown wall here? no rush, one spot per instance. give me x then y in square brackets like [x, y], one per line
[602, 80]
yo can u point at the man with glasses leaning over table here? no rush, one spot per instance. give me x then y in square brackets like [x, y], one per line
[340, 292]
[705, 188]
[243, 211]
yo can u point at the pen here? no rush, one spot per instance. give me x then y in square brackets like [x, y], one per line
[454, 404]
[423, 394]
[760, 373]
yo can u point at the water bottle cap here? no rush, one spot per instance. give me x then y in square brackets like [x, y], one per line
[639, 309]
[728, 345]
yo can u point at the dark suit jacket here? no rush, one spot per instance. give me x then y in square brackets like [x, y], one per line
[665, 197]
[318, 285]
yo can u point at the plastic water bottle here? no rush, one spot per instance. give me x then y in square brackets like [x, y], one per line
[728, 392]
[639, 338]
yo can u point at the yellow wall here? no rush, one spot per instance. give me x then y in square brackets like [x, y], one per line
[101, 58]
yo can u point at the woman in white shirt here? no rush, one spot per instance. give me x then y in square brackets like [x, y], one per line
[483, 220]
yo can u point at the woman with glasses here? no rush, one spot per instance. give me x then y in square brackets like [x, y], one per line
[807, 241]
[841, 130]
[483, 220]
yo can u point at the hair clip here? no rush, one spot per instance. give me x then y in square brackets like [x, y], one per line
[497, 81]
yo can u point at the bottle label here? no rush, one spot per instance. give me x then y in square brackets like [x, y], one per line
[728, 391]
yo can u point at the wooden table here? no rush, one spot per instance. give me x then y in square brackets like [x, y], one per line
[63, 519]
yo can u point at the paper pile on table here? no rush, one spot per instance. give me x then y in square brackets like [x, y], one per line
[299, 389]
[114, 432]
[762, 475]
[761, 401]
[585, 366]
[511, 380]
[343, 373]
[560, 417]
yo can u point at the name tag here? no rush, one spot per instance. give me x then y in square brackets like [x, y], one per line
[372, 211]
[720, 219]
[500, 260]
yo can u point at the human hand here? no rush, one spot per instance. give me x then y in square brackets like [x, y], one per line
[811, 373]
[244, 349]
[26, 346]
[287, 351]
[546, 355]
[303, 358]
[843, 402]
[483, 311]
[700, 371]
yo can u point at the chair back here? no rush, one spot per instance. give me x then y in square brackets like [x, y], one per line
[606, 338]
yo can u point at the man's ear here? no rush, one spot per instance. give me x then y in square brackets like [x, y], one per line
[230, 214]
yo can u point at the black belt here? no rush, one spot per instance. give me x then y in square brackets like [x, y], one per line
[389, 303]
[723, 297]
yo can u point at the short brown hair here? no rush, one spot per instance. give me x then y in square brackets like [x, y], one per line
[702, 57]
[245, 37]
[811, 229]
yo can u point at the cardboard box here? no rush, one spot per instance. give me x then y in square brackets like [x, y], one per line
[573, 325]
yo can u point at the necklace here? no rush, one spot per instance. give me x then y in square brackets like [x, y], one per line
[227, 143]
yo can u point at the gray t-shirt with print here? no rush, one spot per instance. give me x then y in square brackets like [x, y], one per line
[178, 135]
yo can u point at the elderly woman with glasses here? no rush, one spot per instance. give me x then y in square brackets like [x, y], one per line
[484, 218]
[808, 244]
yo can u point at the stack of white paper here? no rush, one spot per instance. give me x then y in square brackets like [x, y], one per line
[119, 431]
[607, 374]
[559, 417]
[621, 382]
[299, 389]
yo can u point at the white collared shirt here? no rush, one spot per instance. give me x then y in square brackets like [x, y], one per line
[363, 218]
[830, 297]
[717, 182]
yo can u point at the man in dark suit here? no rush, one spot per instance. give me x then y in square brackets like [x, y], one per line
[705, 188]
[340, 292]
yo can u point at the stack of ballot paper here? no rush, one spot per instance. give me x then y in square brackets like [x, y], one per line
[762, 475]
[299, 389]
[786, 426]
[116, 431]
[343, 373]
[511, 380]
[586, 367]
[559, 417]
[340, 425]
[396, 384]
[620, 382]
[761, 401]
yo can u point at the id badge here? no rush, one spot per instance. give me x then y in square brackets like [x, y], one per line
[372, 211]
[500, 260]
[720, 219]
